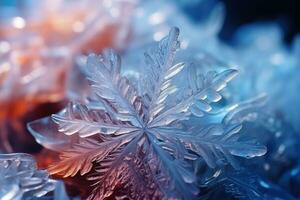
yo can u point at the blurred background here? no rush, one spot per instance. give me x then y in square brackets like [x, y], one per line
[239, 13]
[243, 12]
[285, 12]
[43, 48]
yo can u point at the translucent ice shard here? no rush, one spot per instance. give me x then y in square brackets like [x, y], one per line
[20, 178]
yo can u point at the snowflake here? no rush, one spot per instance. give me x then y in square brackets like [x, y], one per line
[20, 179]
[134, 142]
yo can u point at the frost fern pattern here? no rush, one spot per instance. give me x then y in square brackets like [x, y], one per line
[132, 142]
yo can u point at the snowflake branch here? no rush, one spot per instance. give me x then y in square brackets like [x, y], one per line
[109, 85]
[81, 156]
[78, 119]
[199, 98]
[161, 72]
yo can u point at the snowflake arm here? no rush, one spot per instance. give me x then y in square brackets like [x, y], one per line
[215, 143]
[125, 169]
[159, 73]
[202, 90]
[87, 123]
[113, 90]
[176, 179]
[81, 156]
[218, 143]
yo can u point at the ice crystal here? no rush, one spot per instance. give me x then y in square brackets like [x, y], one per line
[133, 140]
[243, 185]
[20, 179]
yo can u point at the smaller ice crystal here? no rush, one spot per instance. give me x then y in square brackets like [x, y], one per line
[245, 186]
[20, 178]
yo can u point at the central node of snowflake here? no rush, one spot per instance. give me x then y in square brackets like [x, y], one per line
[145, 129]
